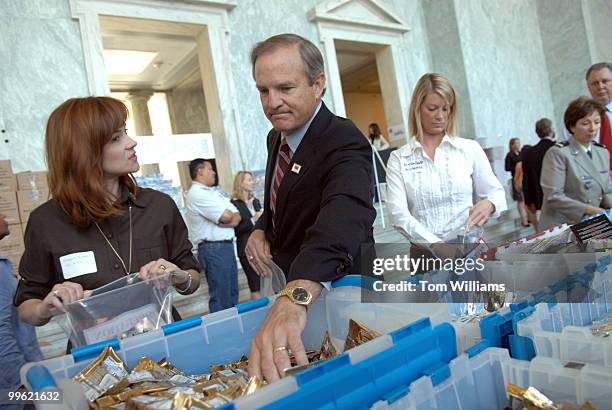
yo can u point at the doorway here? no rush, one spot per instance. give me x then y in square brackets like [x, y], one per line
[153, 66]
[363, 96]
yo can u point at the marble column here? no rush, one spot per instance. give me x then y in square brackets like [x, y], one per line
[597, 20]
[565, 44]
[447, 58]
[142, 122]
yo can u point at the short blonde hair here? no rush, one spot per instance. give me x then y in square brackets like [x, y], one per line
[237, 191]
[441, 86]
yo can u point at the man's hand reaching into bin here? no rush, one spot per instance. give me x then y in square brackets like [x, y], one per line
[281, 335]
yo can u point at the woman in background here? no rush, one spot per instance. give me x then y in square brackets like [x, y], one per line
[576, 173]
[512, 165]
[376, 138]
[249, 207]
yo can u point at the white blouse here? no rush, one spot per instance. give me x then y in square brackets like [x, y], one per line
[381, 143]
[430, 199]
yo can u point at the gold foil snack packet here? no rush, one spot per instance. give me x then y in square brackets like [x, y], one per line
[104, 373]
[533, 399]
[254, 384]
[327, 348]
[358, 334]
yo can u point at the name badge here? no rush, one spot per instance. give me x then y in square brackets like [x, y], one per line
[413, 166]
[78, 264]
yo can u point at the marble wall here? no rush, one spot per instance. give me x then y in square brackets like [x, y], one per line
[505, 68]
[261, 22]
[597, 18]
[565, 44]
[415, 43]
[42, 66]
[447, 58]
[512, 61]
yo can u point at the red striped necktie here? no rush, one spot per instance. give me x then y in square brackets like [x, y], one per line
[282, 165]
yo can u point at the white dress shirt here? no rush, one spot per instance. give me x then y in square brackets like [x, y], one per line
[205, 206]
[430, 199]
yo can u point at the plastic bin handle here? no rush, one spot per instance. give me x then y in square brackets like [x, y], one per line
[40, 378]
[358, 281]
[578, 331]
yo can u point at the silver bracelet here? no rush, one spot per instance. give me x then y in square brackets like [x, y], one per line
[182, 292]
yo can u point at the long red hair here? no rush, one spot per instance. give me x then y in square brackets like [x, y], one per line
[77, 132]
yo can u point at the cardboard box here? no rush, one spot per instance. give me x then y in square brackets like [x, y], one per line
[27, 181]
[8, 180]
[29, 201]
[13, 242]
[6, 169]
[8, 207]
[8, 184]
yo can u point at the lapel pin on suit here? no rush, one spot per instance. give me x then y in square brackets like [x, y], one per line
[296, 168]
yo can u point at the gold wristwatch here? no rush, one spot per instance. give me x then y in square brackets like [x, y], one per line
[298, 295]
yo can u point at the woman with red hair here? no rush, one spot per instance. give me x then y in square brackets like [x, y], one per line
[98, 225]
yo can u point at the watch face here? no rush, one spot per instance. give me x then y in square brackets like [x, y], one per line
[300, 295]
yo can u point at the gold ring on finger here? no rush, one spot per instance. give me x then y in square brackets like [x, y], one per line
[162, 267]
[280, 349]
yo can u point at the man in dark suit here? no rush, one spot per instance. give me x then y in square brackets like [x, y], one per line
[532, 168]
[318, 195]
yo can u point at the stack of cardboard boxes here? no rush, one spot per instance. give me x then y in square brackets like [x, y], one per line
[20, 194]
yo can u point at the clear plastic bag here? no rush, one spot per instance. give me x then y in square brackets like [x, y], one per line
[122, 308]
[273, 282]
[470, 243]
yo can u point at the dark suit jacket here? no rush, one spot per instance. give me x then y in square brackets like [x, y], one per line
[532, 170]
[324, 211]
[245, 227]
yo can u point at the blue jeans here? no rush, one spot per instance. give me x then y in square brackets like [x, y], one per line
[218, 261]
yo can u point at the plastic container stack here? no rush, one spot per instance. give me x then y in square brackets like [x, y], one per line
[478, 380]
[414, 365]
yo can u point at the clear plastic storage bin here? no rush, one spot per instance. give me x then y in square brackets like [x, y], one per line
[194, 344]
[563, 331]
[478, 380]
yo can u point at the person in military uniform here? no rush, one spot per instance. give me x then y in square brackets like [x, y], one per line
[576, 173]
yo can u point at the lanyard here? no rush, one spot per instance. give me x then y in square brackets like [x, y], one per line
[127, 269]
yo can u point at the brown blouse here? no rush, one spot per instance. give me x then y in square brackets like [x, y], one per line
[158, 231]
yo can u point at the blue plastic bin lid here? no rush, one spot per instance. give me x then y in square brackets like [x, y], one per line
[338, 383]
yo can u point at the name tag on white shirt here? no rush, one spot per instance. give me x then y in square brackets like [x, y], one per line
[413, 166]
[78, 264]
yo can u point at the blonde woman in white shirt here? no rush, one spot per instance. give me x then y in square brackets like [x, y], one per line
[439, 182]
